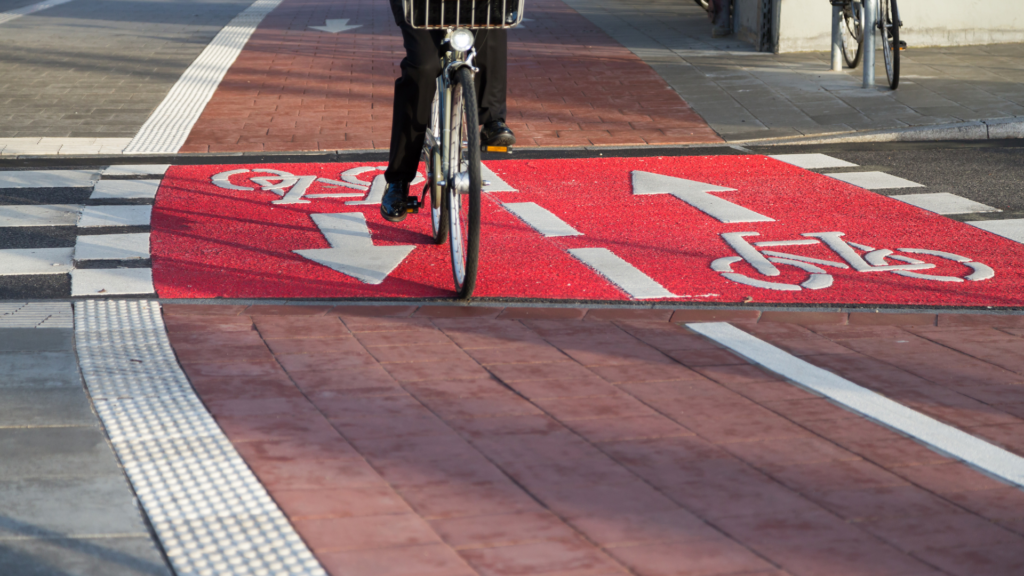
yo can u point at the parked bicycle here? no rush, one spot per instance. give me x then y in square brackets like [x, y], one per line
[452, 146]
[851, 35]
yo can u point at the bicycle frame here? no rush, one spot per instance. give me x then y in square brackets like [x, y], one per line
[451, 61]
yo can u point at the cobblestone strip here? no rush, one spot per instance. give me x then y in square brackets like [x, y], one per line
[30, 9]
[210, 512]
[166, 130]
[943, 437]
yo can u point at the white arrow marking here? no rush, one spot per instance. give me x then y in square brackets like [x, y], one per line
[696, 194]
[621, 273]
[352, 251]
[335, 26]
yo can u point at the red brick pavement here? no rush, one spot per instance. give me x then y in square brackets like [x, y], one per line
[445, 440]
[293, 88]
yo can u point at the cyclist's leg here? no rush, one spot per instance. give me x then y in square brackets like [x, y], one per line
[414, 91]
[492, 80]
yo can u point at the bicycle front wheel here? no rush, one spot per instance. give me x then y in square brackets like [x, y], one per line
[851, 33]
[889, 21]
[463, 186]
[435, 171]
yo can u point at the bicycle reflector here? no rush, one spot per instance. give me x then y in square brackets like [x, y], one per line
[461, 39]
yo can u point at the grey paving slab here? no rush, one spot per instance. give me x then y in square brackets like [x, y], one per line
[64, 451]
[84, 60]
[38, 369]
[121, 556]
[36, 340]
[31, 406]
[54, 507]
[938, 86]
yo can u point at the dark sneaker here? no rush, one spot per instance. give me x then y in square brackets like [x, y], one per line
[392, 206]
[497, 134]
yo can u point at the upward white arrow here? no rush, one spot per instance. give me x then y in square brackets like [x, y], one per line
[352, 251]
[696, 194]
[335, 26]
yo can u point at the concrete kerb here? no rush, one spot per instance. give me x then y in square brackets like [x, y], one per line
[992, 129]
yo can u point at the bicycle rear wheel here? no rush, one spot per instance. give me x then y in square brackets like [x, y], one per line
[434, 192]
[462, 200]
[889, 21]
[851, 33]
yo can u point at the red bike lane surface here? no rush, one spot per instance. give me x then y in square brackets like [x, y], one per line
[297, 88]
[687, 227]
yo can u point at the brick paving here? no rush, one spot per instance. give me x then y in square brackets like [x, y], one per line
[294, 88]
[446, 440]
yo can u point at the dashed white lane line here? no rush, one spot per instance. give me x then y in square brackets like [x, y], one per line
[112, 247]
[812, 161]
[125, 190]
[621, 273]
[875, 180]
[494, 183]
[39, 215]
[970, 449]
[48, 178]
[168, 127]
[541, 220]
[111, 281]
[97, 216]
[1012, 229]
[944, 203]
[208, 509]
[137, 170]
[30, 9]
[22, 261]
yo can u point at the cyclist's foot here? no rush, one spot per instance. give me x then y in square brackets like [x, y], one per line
[392, 206]
[497, 133]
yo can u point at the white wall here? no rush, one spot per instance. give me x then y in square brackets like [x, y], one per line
[805, 25]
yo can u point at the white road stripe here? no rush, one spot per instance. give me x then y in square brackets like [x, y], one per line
[112, 247]
[944, 203]
[621, 273]
[970, 449]
[39, 215]
[137, 170]
[110, 281]
[96, 216]
[168, 128]
[125, 190]
[496, 183]
[48, 178]
[30, 9]
[1012, 229]
[541, 220]
[41, 145]
[812, 161]
[19, 262]
[875, 180]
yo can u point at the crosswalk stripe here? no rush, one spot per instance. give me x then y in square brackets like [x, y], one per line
[112, 247]
[98, 216]
[125, 190]
[1012, 229]
[875, 180]
[23, 261]
[39, 215]
[812, 161]
[48, 178]
[944, 203]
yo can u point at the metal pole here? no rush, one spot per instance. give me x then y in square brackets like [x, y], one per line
[870, 17]
[837, 56]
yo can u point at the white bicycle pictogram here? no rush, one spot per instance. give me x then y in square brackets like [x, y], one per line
[870, 260]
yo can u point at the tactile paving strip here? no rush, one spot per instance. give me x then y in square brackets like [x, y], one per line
[36, 315]
[210, 512]
[166, 130]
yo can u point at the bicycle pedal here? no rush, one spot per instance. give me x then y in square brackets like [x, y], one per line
[501, 149]
[412, 206]
[903, 45]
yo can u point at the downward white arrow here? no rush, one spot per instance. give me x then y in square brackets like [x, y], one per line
[352, 251]
[696, 194]
[335, 26]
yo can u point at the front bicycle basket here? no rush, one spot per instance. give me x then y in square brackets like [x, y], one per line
[435, 14]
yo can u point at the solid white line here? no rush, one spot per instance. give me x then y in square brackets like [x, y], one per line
[168, 128]
[541, 220]
[943, 437]
[31, 9]
[621, 273]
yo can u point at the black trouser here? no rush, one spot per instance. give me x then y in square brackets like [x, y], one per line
[414, 91]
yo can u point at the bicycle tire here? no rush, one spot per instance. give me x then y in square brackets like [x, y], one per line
[889, 22]
[851, 33]
[463, 208]
[434, 192]
[702, 3]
